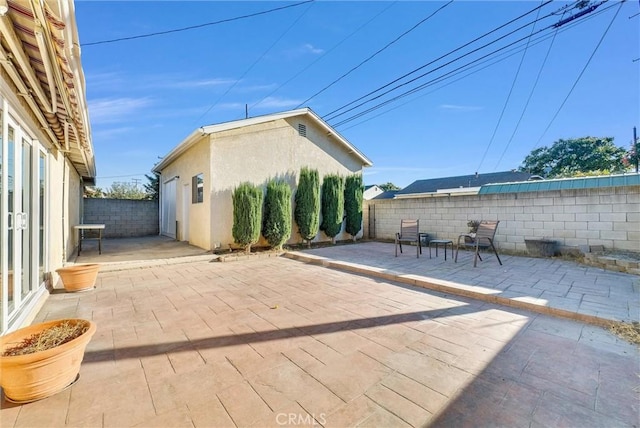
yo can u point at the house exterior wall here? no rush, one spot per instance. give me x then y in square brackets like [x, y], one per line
[577, 218]
[269, 150]
[372, 192]
[192, 162]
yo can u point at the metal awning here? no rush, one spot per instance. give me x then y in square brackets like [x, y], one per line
[632, 179]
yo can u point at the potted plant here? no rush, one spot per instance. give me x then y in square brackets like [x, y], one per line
[473, 229]
[43, 359]
[79, 277]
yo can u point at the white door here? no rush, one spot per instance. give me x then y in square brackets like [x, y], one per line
[20, 210]
[186, 203]
[169, 190]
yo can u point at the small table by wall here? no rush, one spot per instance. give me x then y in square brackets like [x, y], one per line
[94, 227]
[444, 243]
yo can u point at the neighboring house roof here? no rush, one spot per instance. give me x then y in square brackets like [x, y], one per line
[461, 183]
[370, 186]
[632, 179]
[388, 194]
[226, 126]
[40, 53]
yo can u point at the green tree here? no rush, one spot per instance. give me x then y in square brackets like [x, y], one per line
[581, 156]
[388, 186]
[631, 158]
[276, 227]
[153, 186]
[93, 192]
[247, 215]
[307, 200]
[353, 190]
[332, 205]
[124, 191]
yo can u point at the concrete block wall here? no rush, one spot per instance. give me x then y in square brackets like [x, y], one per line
[576, 218]
[123, 218]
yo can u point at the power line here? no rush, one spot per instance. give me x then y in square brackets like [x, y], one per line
[374, 55]
[448, 76]
[326, 117]
[324, 55]
[506, 102]
[193, 27]
[526, 105]
[426, 84]
[580, 75]
[435, 80]
[255, 62]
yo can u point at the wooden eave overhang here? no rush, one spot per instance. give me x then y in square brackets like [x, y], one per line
[40, 53]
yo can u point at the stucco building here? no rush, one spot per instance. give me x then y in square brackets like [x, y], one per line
[46, 153]
[199, 175]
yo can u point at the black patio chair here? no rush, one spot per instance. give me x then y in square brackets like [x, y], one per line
[483, 238]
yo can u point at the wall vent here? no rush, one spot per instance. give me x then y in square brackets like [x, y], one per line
[302, 130]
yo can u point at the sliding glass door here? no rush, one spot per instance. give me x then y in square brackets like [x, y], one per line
[22, 258]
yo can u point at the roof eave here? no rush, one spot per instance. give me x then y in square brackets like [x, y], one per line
[179, 149]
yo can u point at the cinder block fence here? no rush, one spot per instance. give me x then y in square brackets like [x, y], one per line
[580, 218]
[123, 218]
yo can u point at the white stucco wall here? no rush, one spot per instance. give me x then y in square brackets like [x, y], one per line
[270, 150]
[194, 161]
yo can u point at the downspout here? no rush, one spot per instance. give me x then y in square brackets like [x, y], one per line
[64, 186]
[160, 197]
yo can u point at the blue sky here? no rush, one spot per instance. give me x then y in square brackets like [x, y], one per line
[469, 111]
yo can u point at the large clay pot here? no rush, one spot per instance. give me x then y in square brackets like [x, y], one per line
[79, 277]
[31, 377]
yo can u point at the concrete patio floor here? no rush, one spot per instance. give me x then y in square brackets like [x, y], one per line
[276, 342]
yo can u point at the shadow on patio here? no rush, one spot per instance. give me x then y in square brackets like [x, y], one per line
[241, 344]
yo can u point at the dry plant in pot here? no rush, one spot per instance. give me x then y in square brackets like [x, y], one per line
[43, 359]
[79, 277]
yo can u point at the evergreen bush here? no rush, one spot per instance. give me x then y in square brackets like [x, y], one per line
[247, 215]
[332, 205]
[276, 227]
[353, 191]
[307, 199]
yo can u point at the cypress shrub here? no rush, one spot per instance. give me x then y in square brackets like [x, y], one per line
[247, 215]
[277, 213]
[353, 190]
[332, 205]
[307, 199]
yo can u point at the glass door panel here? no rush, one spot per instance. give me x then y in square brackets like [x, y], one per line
[11, 218]
[25, 220]
[42, 166]
[3, 276]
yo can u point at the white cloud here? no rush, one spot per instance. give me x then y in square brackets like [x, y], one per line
[203, 83]
[270, 102]
[256, 88]
[110, 110]
[309, 48]
[459, 107]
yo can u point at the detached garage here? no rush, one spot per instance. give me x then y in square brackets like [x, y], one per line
[199, 176]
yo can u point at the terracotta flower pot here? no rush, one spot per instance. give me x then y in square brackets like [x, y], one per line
[79, 277]
[31, 377]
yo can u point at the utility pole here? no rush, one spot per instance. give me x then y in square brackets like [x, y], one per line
[136, 181]
[635, 147]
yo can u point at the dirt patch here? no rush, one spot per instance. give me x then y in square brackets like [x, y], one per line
[629, 331]
[631, 256]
